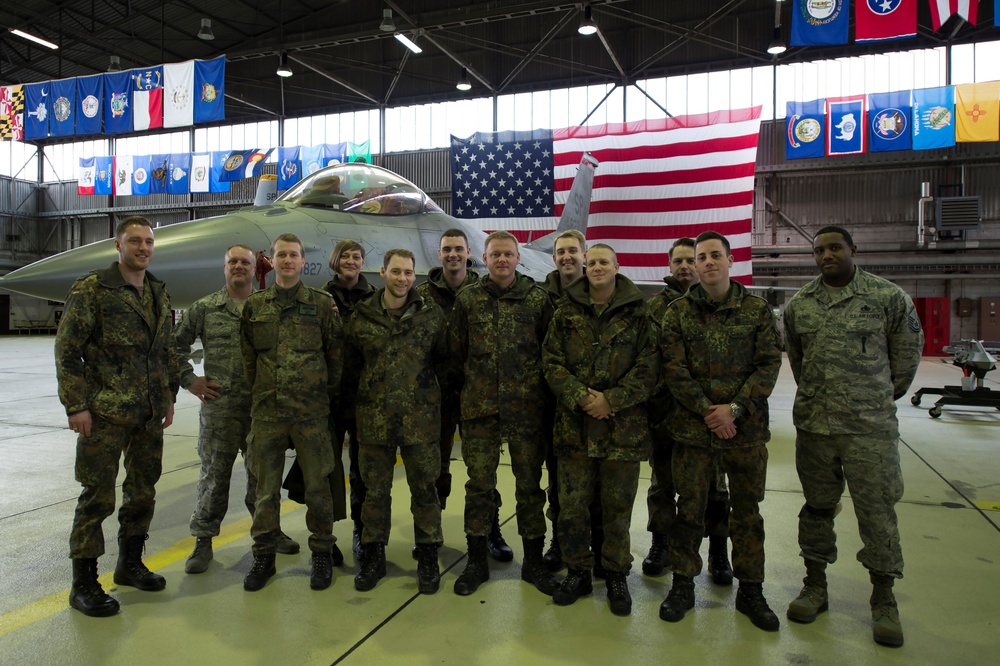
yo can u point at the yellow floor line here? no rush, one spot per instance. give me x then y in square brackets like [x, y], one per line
[988, 505]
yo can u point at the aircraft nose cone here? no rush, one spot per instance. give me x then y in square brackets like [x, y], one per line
[52, 277]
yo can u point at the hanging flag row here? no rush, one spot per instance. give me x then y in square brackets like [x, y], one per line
[297, 162]
[175, 173]
[172, 95]
[905, 120]
[826, 23]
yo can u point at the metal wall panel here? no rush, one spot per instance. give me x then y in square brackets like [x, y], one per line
[428, 169]
[17, 196]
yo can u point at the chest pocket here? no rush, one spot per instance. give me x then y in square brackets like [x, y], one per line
[306, 334]
[482, 333]
[264, 327]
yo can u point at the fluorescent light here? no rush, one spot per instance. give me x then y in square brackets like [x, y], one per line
[408, 43]
[587, 27]
[37, 40]
[463, 81]
[284, 70]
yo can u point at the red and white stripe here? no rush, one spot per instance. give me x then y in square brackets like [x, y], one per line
[941, 11]
[658, 181]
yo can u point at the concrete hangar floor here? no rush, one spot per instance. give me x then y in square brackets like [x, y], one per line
[948, 520]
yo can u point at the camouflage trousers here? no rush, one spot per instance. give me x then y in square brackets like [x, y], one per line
[97, 459]
[450, 419]
[552, 511]
[661, 503]
[580, 479]
[695, 467]
[422, 465]
[266, 448]
[347, 429]
[482, 440]
[870, 466]
[220, 439]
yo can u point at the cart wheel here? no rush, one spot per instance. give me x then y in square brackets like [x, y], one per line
[935, 412]
[915, 400]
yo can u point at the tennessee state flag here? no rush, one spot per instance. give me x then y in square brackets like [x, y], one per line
[941, 11]
[877, 20]
[977, 112]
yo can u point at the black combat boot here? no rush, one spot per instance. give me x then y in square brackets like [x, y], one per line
[655, 563]
[198, 561]
[718, 560]
[372, 566]
[552, 559]
[286, 545]
[812, 600]
[619, 599]
[887, 629]
[751, 602]
[86, 595]
[596, 546]
[131, 571]
[532, 569]
[576, 584]
[260, 572]
[499, 550]
[322, 571]
[356, 542]
[428, 571]
[443, 486]
[477, 569]
[679, 600]
[336, 557]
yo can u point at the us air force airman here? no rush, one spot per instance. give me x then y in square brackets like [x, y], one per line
[398, 358]
[292, 345]
[117, 375]
[721, 356]
[497, 328]
[854, 342]
[601, 362]
[225, 397]
[660, 500]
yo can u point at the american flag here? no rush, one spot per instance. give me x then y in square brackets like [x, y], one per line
[658, 180]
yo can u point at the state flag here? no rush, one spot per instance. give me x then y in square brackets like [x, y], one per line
[118, 102]
[89, 95]
[12, 113]
[63, 122]
[159, 165]
[105, 176]
[244, 164]
[845, 125]
[819, 23]
[201, 172]
[123, 175]
[878, 20]
[37, 110]
[804, 127]
[219, 158]
[359, 152]
[140, 175]
[179, 173]
[209, 90]
[933, 118]
[147, 98]
[289, 169]
[942, 10]
[85, 181]
[977, 110]
[313, 159]
[889, 121]
[178, 94]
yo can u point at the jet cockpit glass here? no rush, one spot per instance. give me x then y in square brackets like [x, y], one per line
[361, 189]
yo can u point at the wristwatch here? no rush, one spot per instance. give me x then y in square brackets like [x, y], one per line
[737, 409]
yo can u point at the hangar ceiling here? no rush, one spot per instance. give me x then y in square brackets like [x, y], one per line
[343, 61]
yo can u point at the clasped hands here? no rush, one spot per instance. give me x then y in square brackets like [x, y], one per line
[594, 404]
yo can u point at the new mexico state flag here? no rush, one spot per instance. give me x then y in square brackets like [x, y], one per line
[977, 112]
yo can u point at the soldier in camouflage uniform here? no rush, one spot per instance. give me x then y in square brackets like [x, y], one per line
[292, 356]
[721, 357]
[117, 380]
[496, 331]
[854, 342]
[660, 500]
[397, 356]
[601, 363]
[225, 397]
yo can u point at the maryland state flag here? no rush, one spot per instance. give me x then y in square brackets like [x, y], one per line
[977, 112]
[12, 113]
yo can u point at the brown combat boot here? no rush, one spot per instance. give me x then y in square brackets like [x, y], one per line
[812, 600]
[887, 629]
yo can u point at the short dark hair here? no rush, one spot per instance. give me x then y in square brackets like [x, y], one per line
[340, 248]
[604, 246]
[288, 238]
[835, 230]
[135, 220]
[713, 235]
[454, 233]
[398, 252]
[680, 242]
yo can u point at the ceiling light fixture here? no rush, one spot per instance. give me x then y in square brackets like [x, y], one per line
[387, 25]
[408, 43]
[777, 45]
[463, 81]
[587, 27]
[284, 70]
[32, 38]
[206, 30]
[116, 64]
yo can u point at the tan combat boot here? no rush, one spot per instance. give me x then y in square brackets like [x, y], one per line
[886, 629]
[812, 600]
